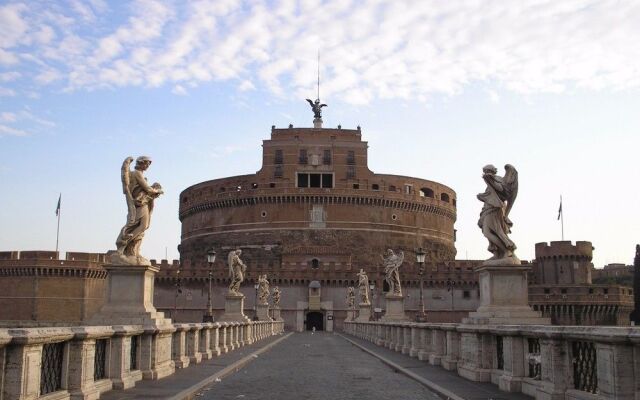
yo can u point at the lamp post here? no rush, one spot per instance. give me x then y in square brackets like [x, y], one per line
[420, 256]
[178, 287]
[211, 258]
[372, 286]
[255, 302]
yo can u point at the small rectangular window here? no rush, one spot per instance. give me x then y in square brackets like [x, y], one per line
[351, 172]
[314, 180]
[351, 157]
[303, 180]
[326, 157]
[277, 173]
[408, 189]
[303, 157]
[278, 159]
[327, 180]
[375, 186]
[356, 186]
[547, 291]
[392, 188]
[466, 294]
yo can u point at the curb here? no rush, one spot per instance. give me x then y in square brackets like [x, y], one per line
[189, 393]
[433, 386]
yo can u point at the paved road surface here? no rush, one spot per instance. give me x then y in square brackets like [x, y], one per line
[314, 367]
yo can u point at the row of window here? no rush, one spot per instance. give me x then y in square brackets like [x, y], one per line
[303, 157]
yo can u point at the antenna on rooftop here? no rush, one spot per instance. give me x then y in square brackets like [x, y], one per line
[316, 106]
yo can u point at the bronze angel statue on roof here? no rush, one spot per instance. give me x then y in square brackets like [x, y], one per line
[316, 107]
[494, 221]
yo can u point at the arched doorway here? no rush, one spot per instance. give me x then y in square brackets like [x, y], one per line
[315, 319]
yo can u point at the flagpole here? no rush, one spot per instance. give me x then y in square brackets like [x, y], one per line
[562, 219]
[59, 211]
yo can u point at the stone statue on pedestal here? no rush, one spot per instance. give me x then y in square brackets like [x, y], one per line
[351, 297]
[140, 197]
[236, 271]
[494, 220]
[263, 290]
[276, 296]
[363, 287]
[392, 262]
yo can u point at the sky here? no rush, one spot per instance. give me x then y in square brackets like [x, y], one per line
[440, 89]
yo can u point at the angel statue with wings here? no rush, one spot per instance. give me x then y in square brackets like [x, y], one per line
[363, 287]
[392, 262]
[316, 107]
[351, 297]
[494, 219]
[236, 271]
[140, 197]
[263, 289]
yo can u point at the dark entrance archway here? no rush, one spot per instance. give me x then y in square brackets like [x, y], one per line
[315, 319]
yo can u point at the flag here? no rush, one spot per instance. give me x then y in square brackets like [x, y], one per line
[58, 207]
[560, 209]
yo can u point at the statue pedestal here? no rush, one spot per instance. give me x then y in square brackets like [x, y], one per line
[504, 297]
[365, 312]
[262, 311]
[275, 312]
[395, 309]
[351, 315]
[234, 309]
[317, 123]
[129, 301]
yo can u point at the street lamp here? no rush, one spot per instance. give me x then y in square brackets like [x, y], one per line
[211, 258]
[420, 256]
[450, 285]
[255, 303]
[372, 286]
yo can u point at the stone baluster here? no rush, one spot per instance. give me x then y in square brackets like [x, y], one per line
[425, 346]
[156, 359]
[204, 344]
[477, 353]
[224, 332]
[616, 366]
[416, 342]
[236, 335]
[450, 360]
[215, 339]
[241, 332]
[193, 343]
[438, 338]
[399, 337]
[179, 346]
[406, 338]
[513, 356]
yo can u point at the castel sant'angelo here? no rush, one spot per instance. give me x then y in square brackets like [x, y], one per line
[311, 218]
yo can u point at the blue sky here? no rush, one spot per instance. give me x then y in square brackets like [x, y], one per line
[439, 88]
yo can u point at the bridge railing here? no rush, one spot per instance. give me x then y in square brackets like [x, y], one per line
[84, 362]
[546, 362]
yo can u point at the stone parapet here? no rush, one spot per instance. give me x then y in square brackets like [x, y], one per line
[542, 361]
[90, 360]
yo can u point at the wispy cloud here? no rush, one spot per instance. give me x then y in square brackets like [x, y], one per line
[369, 49]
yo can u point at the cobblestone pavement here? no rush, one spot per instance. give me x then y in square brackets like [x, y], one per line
[314, 367]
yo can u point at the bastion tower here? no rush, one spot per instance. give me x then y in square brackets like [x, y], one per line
[315, 207]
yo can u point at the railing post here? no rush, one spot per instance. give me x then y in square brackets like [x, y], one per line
[615, 370]
[156, 358]
[215, 339]
[513, 353]
[477, 354]
[406, 338]
[82, 355]
[438, 344]
[450, 361]
[193, 343]
[120, 361]
[224, 331]
[179, 346]
[416, 343]
[555, 368]
[204, 344]
[425, 343]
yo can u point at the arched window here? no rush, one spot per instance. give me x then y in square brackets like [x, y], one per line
[426, 192]
[444, 197]
[315, 264]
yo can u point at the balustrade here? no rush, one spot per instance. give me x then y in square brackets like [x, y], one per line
[546, 362]
[84, 362]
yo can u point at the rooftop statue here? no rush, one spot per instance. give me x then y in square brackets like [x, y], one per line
[317, 108]
[263, 289]
[494, 220]
[351, 297]
[276, 296]
[392, 262]
[363, 287]
[140, 197]
[236, 271]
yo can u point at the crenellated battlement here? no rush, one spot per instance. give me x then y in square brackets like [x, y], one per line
[581, 251]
